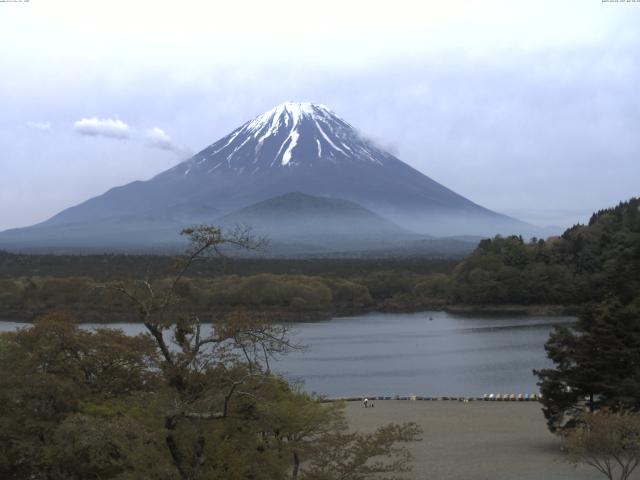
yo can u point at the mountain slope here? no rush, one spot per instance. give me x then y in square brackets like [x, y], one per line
[296, 215]
[298, 147]
[300, 223]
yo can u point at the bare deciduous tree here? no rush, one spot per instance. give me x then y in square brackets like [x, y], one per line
[607, 441]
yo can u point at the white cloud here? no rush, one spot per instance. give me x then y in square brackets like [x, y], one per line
[43, 126]
[102, 127]
[119, 130]
[158, 138]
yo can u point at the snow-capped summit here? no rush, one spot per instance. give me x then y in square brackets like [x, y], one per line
[294, 147]
[290, 134]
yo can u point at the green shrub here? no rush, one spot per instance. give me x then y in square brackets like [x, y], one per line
[436, 286]
[385, 284]
[58, 292]
[271, 291]
[347, 293]
[11, 293]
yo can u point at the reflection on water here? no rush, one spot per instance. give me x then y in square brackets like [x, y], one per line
[428, 353]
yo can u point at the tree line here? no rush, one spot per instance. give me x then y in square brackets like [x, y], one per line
[285, 295]
[584, 264]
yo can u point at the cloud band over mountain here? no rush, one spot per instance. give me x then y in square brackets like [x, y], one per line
[118, 130]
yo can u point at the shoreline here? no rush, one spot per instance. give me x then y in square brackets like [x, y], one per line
[285, 316]
[485, 397]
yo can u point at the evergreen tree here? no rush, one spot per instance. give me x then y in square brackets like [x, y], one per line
[597, 363]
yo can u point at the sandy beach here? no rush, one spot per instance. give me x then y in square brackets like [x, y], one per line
[475, 440]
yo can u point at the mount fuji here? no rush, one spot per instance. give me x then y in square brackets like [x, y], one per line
[294, 147]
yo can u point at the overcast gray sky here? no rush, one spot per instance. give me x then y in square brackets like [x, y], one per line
[531, 108]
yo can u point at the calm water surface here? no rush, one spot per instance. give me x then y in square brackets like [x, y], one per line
[428, 353]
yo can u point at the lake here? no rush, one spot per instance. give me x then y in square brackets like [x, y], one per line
[427, 353]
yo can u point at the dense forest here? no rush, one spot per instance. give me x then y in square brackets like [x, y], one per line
[582, 265]
[118, 266]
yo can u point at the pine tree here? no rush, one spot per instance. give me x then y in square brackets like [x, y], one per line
[597, 363]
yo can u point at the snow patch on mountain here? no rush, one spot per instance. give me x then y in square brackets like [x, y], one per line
[292, 134]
